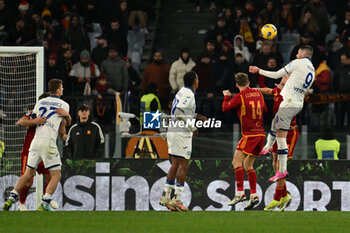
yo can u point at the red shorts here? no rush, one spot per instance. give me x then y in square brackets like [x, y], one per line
[292, 138]
[40, 168]
[251, 145]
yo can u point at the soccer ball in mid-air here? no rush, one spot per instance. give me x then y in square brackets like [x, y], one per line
[268, 31]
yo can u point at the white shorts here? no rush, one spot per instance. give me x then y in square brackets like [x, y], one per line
[44, 149]
[179, 145]
[285, 114]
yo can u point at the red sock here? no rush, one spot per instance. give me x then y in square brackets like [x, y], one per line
[278, 193]
[239, 173]
[284, 191]
[45, 185]
[252, 180]
[23, 194]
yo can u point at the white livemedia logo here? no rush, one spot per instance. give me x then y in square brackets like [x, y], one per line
[156, 120]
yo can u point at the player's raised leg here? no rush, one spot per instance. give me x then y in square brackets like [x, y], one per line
[248, 166]
[282, 155]
[237, 164]
[278, 192]
[271, 139]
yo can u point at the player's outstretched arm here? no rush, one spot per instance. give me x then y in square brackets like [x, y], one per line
[265, 90]
[24, 121]
[65, 114]
[270, 74]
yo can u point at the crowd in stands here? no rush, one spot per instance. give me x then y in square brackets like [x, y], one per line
[101, 70]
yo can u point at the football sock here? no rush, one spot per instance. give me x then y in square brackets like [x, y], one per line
[13, 195]
[178, 190]
[271, 138]
[284, 191]
[278, 193]
[252, 180]
[239, 173]
[168, 187]
[23, 194]
[282, 154]
[46, 199]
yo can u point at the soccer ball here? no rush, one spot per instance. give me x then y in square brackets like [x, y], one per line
[268, 31]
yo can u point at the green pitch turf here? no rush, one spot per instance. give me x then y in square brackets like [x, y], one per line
[158, 222]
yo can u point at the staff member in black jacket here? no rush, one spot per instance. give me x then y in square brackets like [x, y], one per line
[85, 138]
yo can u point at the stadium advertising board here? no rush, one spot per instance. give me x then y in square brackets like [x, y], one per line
[138, 184]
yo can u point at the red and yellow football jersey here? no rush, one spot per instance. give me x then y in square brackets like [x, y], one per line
[250, 106]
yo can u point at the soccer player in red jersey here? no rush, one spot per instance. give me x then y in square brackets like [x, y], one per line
[281, 197]
[250, 107]
[31, 121]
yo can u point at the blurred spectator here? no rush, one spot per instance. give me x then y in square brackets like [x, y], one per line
[84, 74]
[230, 21]
[85, 138]
[245, 30]
[137, 11]
[261, 57]
[158, 72]
[238, 44]
[343, 28]
[287, 19]
[66, 20]
[240, 64]
[89, 12]
[104, 109]
[335, 49]
[6, 18]
[308, 24]
[210, 48]
[24, 10]
[226, 47]
[115, 37]
[320, 14]
[222, 74]
[54, 45]
[263, 81]
[66, 65]
[18, 34]
[100, 52]
[53, 70]
[37, 22]
[305, 39]
[220, 29]
[48, 26]
[76, 35]
[342, 85]
[271, 14]
[249, 10]
[256, 28]
[115, 69]
[49, 7]
[149, 101]
[47, 50]
[203, 71]
[134, 78]
[179, 68]
[122, 14]
[327, 147]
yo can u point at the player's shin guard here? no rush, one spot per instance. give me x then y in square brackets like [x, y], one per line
[178, 190]
[239, 173]
[271, 138]
[282, 154]
[252, 181]
[23, 194]
[168, 187]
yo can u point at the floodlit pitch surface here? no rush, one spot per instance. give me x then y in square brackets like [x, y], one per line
[158, 222]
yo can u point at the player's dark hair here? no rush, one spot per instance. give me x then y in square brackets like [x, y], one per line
[189, 78]
[44, 95]
[242, 79]
[308, 49]
[53, 85]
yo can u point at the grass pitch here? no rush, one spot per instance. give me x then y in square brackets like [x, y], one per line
[158, 222]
